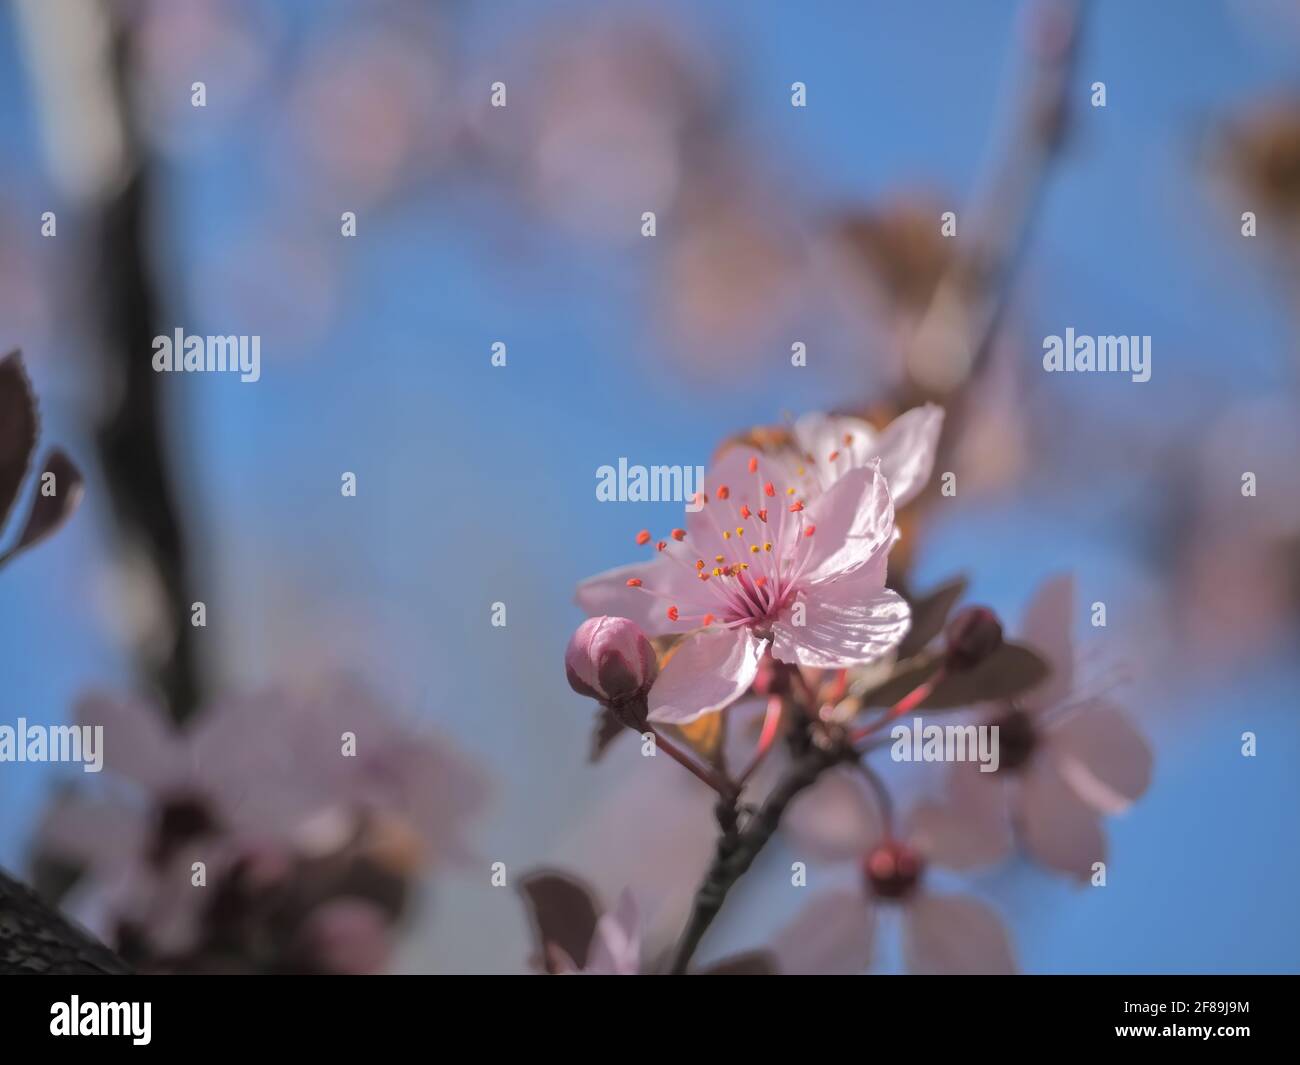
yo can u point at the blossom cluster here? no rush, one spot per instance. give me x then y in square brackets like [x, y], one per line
[776, 593]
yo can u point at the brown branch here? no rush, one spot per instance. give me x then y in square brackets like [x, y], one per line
[37, 939]
[971, 296]
[737, 850]
[132, 445]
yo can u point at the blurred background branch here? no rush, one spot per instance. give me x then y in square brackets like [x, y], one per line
[80, 56]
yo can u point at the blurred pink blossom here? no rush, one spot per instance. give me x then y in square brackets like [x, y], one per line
[1064, 761]
[835, 932]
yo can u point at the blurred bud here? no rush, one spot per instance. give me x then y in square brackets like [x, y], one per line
[771, 679]
[610, 659]
[892, 869]
[973, 634]
[347, 936]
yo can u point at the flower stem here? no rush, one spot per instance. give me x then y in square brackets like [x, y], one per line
[709, 776]
[906, 704]
[735, 854]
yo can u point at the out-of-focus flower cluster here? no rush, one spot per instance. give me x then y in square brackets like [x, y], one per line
[313, 815]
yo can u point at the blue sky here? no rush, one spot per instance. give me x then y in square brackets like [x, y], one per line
[477, 484]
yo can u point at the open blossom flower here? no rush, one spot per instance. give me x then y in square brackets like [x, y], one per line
[834, 934]
[818, 449]
[1064, 763]
[761, 566]
[831, 445]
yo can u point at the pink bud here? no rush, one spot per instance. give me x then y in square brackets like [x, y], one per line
[611, 660]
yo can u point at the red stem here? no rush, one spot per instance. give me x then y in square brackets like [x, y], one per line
[908, 702]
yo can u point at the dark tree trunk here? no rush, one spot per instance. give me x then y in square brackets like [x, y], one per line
[36, 939]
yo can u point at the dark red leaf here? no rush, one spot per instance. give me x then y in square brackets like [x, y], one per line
[929, 612]
[1011, 669]
[18, 425]
[751, 963]
[606, 729]
[563, 913]
[50, 511]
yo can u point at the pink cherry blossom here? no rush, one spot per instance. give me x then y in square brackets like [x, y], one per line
[830, 445]
[834, 934]
[1065, 760]
[759, 566]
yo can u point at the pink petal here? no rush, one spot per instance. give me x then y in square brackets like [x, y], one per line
[1059, 829]
[844, 624]
[732, 470]
[105, 835]
[907, 448]
[831, 936]
[953, 934]
[1102, 756]
[608, 593]
[821, 435]
[834, 820]
[1048, 627]
[708, 670]
[140, 743]
[971, 827]
[854, 522]
[616, 947]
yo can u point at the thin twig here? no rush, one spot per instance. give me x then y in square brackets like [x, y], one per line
[736, 853]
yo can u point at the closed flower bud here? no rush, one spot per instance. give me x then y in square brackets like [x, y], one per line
[973, 634]
[610, 659]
